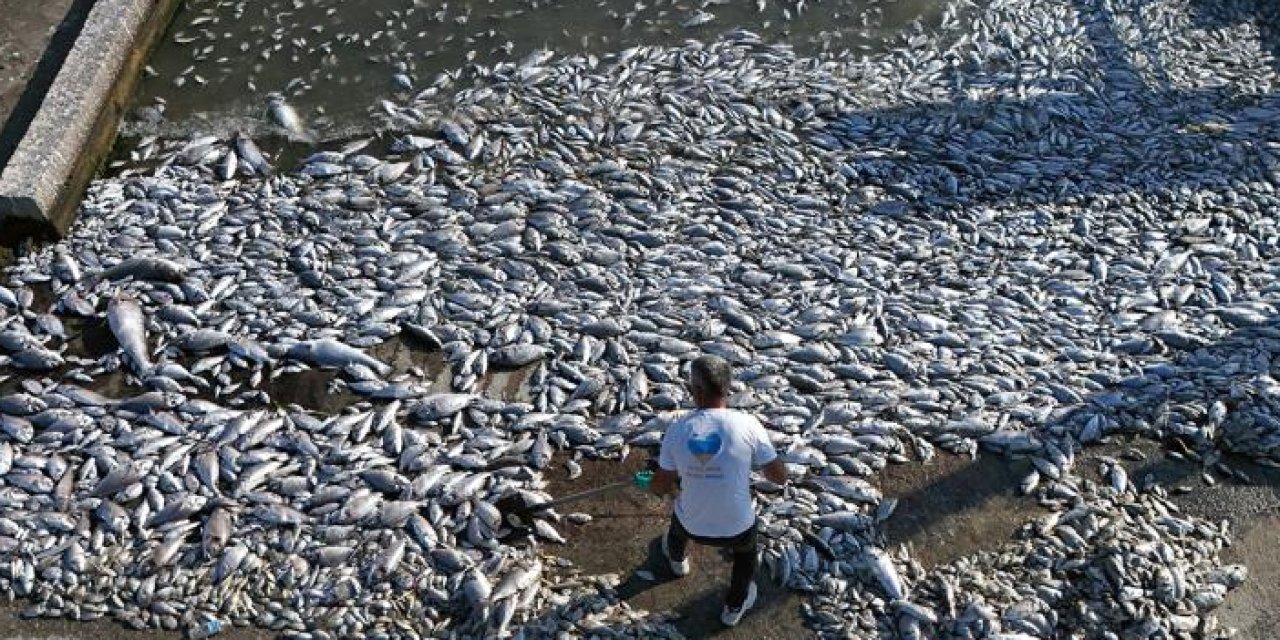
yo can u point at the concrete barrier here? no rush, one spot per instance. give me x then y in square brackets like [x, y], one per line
[76, 123]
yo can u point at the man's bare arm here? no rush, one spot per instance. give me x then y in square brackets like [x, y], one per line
[664, 482]
[775, 472]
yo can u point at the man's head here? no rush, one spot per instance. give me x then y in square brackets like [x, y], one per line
[709, 380]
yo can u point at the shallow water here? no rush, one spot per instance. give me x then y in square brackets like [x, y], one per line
[333, 60]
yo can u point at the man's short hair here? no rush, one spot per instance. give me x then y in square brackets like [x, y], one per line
[711, 375]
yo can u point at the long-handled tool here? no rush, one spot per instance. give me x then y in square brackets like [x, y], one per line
[518, 512]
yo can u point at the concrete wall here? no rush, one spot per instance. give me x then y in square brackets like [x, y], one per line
[75, 125]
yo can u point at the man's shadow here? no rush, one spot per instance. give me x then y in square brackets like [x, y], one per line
[699, 616]
[653, 572]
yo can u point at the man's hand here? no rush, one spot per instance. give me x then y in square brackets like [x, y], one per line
[775, 472]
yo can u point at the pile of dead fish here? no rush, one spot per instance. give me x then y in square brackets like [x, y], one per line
[1108, 560]
[1006, 236]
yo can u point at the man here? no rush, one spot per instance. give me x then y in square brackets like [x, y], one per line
[711, 452]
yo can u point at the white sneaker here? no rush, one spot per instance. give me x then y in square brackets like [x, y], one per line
[731, 617]
[681, 569]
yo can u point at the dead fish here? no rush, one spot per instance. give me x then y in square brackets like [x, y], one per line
[250, 155]
[698, 19]
[517, 355]
[231, 560]
[851, 521]
[286, 117]
[517, 580]
[145, 268]
[122, 476]
[331, 353]
[881, 566]
[36, 359]
[128, 324]
[217, 531]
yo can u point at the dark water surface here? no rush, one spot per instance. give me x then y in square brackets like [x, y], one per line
[334, 60]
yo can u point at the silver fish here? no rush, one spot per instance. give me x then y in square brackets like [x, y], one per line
[128, 324]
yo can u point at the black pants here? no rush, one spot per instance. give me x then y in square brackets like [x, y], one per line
[742, 547]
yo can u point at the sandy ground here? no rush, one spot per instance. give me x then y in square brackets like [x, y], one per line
[947, 509]
[622, 538]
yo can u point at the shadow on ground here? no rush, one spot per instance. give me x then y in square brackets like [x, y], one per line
[1058, 144]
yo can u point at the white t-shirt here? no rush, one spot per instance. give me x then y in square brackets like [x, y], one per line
[713, 450]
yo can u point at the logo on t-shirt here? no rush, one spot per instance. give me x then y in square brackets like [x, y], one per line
[705, 446]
